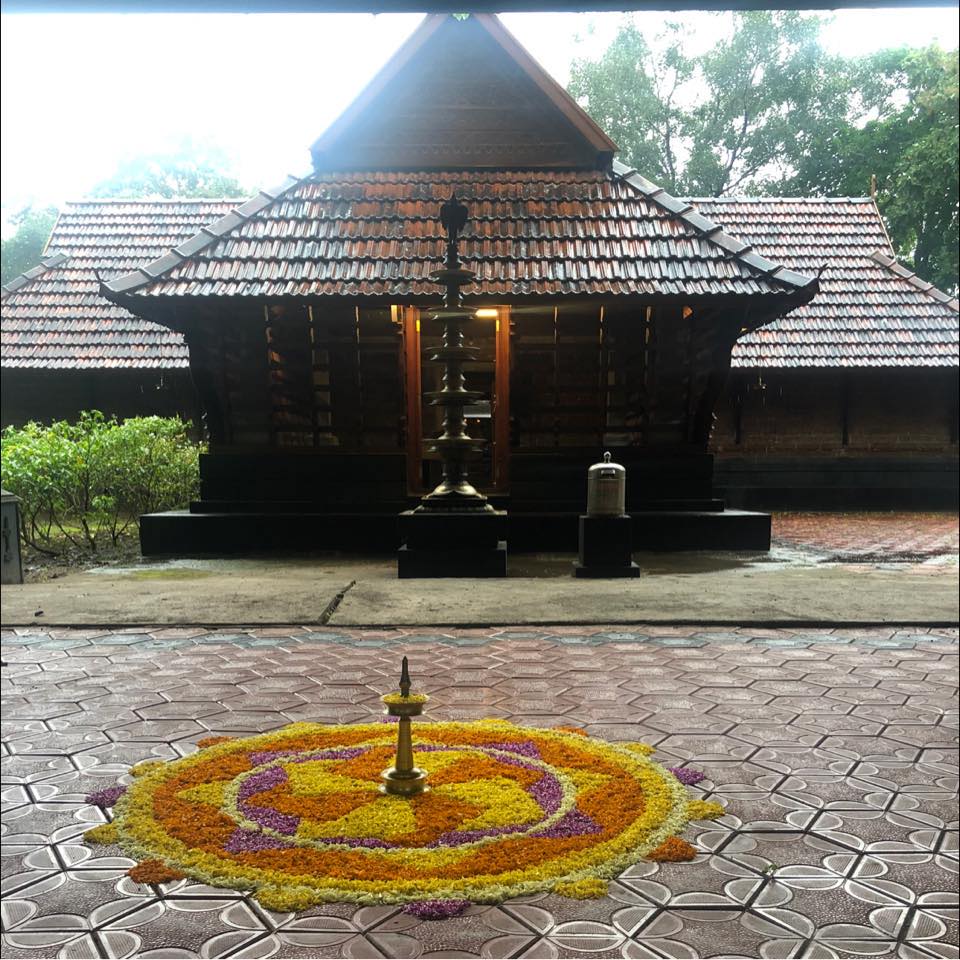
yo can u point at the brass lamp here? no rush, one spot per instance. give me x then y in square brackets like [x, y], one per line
[404, 779]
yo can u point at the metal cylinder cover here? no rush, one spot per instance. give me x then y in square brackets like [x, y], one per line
[606, 489]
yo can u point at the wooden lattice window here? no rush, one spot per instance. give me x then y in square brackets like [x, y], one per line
[629, 354]
[557, 376]
[335, 377]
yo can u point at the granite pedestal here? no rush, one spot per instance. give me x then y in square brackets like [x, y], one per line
[452, 544]
[606, 547]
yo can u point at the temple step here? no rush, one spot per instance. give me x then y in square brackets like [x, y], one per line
[182, 533]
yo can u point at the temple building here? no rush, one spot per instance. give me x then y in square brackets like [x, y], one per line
[607, 313]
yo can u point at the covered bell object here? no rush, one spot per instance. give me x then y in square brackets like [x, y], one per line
[606, 489]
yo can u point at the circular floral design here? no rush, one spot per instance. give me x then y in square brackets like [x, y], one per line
[298, 815]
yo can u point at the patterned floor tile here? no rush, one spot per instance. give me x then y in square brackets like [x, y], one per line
[834, 752]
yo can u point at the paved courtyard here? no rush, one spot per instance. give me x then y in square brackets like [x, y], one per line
[918, 541]
[834, 751]
[838, 568]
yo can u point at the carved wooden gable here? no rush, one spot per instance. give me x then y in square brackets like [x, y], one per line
[462, 94]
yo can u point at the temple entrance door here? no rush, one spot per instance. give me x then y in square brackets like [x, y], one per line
[488, 419]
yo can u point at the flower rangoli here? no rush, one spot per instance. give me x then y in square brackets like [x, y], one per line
[298, 815]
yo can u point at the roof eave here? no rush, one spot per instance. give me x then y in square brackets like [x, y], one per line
[18, 283]
[714, 232]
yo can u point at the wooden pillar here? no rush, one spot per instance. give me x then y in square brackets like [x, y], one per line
[671, 370]
[206, 372]
[844, 408]
[501, 402]
[413, 390]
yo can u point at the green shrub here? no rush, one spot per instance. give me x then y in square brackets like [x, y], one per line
[92, 479]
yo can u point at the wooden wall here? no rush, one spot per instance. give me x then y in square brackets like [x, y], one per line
[48, 395]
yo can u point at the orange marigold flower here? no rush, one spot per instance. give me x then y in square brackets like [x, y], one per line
[673, 850]
[153, 871]
[211, 741]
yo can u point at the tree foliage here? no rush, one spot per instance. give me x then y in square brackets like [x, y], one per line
[633, 93]
[766, 110]
[190, 170]
[904, 131]
[81, 483]
[24, 249]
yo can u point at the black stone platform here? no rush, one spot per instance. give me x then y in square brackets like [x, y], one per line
[264, 530]
[854, 482]
[452, 544]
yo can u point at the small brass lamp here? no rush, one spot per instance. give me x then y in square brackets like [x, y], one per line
[404, 779]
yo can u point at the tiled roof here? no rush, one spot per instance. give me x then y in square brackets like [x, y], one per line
[53, 317]
[870, 311]
[530, 233]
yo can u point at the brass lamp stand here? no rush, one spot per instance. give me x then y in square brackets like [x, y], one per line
[454, 532]
[403, 779]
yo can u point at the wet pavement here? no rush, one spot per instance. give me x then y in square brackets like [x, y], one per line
[834, 751]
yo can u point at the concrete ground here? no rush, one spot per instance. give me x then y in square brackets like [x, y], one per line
[823, 568]
[833, 750]
[833, 747]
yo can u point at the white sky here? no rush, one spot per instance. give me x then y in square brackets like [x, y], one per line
[82, 92]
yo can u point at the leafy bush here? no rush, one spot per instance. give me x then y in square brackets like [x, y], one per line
[92, 479]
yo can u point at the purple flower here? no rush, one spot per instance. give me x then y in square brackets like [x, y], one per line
[687, 775]
[248, 841]
[437, 909]
[272, 819]
[524, 747]
[371, 843]
[455, 838]
[571, 824]
[548, 792]
[259, 782]
[259, 757]
[107, 797]
[339, 753]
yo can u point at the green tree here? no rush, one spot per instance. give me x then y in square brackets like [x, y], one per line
[634, 94]
[902, 127]
[761, 89]
[766, 110]
[24, 249]
[719, 121]
[191, 170]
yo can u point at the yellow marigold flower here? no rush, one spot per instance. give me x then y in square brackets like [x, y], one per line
[145, 767]
[398, 698]
[644, 749]
[704, 810]
[104, 834]
[585, 889]
[286, 899]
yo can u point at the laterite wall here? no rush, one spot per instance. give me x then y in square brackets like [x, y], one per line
[47, 395]
[838, 439]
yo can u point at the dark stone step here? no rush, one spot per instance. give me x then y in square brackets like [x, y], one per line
[181, 533]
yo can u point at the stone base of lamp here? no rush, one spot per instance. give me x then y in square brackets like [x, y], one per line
[606, 547]
[452, 544]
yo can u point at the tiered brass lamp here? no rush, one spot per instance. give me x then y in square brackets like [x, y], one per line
[454, 531]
